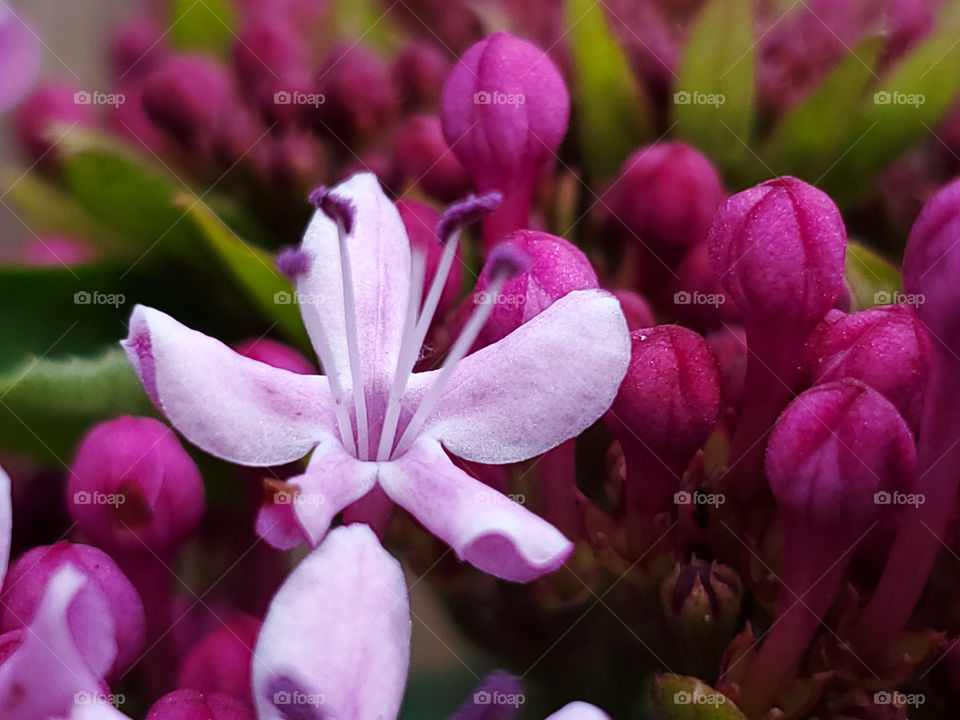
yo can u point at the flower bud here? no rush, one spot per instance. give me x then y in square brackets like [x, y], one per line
[701, 602]
[57, 251]
[699, 299]
[667, 195]
[196, 705]
[422, 158]
[298, 160]
[27, 581]
[276, 354]
[136, 47]
[133, 488]
[222, 661]
[50, 106]
[190, 97]
[272, 62]
[886, 347]
[556, 268]
[359, 97]
[420, 221]
[419, 72]
[504, 110]
[635, 308]
[729, 347]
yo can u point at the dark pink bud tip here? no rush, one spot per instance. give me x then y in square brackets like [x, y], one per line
[222, 661]
[336, 208]
[465, 212]
[293, 262]
[196, 705]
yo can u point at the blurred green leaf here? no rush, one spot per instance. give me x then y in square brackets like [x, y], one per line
[252, 268]
[871, 279]
[681, 697]
[806, 141]
[366, 19]
[906, 106]
[208, 25]
[614, 114]
[46, 405]
[713, 99]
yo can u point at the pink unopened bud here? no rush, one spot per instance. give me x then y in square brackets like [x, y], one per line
[666, 407]
[51, 109]
[419, 71]
[134, 489]
[196, 705]
[272, 63]
[276, 354]
[505, 110]
[886, 347]
[28, 578]
[57, 251]
[667, 195]
[420, 221]
[635, 308]
[190, 97]
[699, 299]
[222, 661]
[778, 249]
[137, 47]
[359, 98]
[835, 453]
[556, 268]
[423, 159]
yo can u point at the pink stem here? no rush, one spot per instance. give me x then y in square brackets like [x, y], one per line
[558, 475]
[648, 491]
[923, 529]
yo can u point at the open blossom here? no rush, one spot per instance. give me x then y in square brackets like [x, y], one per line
[376, 427]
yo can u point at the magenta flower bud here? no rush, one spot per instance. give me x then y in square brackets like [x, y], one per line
[729, 347]
[420, 221]
[699, 299]
[419, 72]
[359, 97]
[134, 489]
[196, 705]
[778, 249]
[28, 578]
[635, 308]
[665, 409]
[833, 455]
[886, 347]
[137, 47]
[556, 268]
[276, 354]
[190, 97]
[272, 63]
[57, 251]
[423, 159]
[50, 106]
[222, 661]
[505, 110]
[667, 195]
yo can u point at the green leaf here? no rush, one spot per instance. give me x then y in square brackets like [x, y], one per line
[252, 268]
[613, 112]
[905, 107]
[713, 99]
[681, 697]
[366, 19]
[208, 25]
[872, 279]
[807, 141]
[46, 405]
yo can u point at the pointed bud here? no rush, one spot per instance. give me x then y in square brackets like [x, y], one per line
[419, 72]
[729, 347]
[27, 581]
[887, 348]
[272, 63]
[196, 705]
[134, 489]
[556, 268]
[222, 661]
[667, 195]
[51, 109]
[504, 111]
[136, 47]
[422, 159]
[420, 221]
